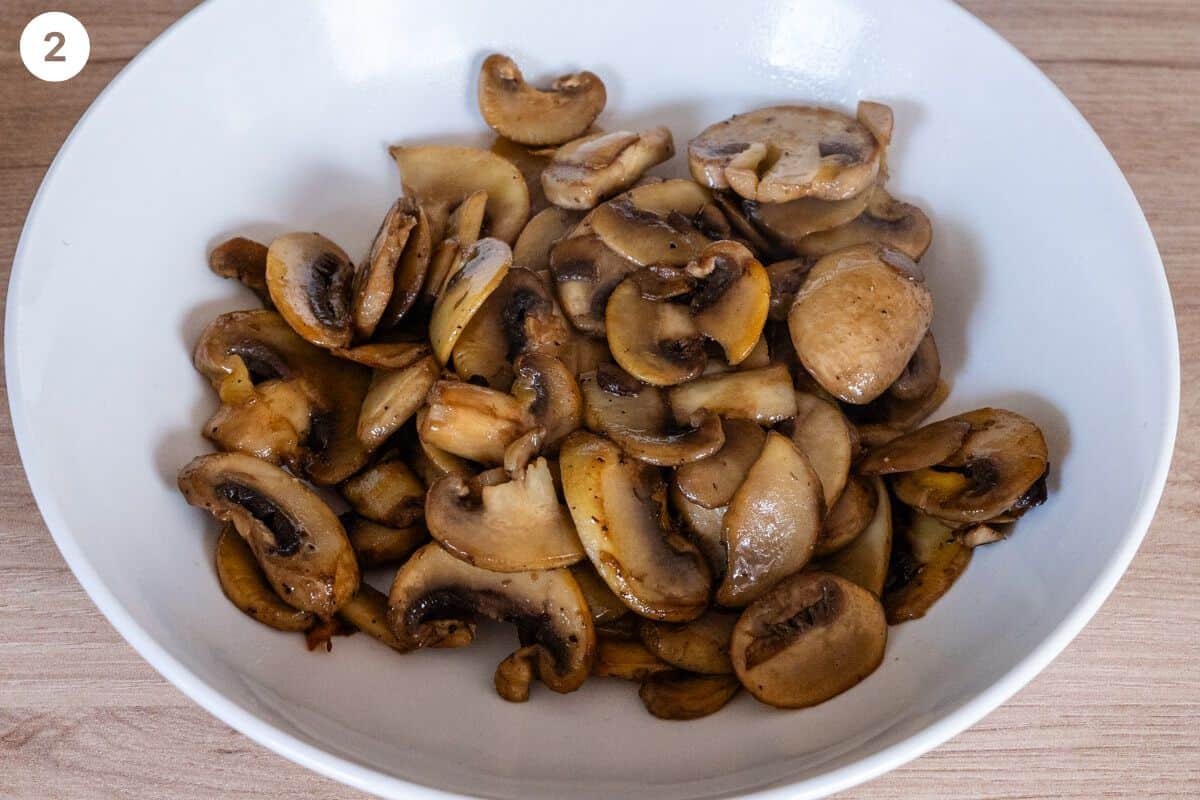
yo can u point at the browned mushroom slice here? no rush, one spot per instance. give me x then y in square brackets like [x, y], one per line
[298, 541]
[439, 177]
[463, 229]
[383, 354]
[636, 417]
[925, 562]
[826, 437]
[515, 674]
[783, 153]
[1000, 465]
[623, 628]
[389, 493]
[981, 534]
[731, 302]
[865, 559]
[585, 273]
[704, 527]
[393, 397]
[711, 481]
[731, 206]
[244, 583]
[701, 645]
[547, 390]
[595, 167]
[472, 421]
[604, 605]
[921, 375]
[653, 224]
[655, 341]
[412, 267]
[513, 526]
[848, 517]
[682, 695]
[785, 278]
[539, 236]
[244, 351]
[626, 659]
[792, 224]
[376, 544]
[858, 319]
[921, 448]
[772, 523]
[763, 395]
[309, 280]
[375, 278]
[618, 507]
[367, 611]
[811, 638]
[484, 265]
[530, 161]
[877, 434]
[243, 260]
[546, 606]
[271, 424]
[531, 116]
[892, 416]
[431, 462]
[885, 220]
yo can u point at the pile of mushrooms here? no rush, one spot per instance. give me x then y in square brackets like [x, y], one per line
[672, 430]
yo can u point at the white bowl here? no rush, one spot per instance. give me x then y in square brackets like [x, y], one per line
[261, 118]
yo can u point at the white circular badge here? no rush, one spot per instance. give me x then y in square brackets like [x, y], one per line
[55, 46]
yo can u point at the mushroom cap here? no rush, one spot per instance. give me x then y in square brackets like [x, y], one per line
[783, 153]
[483, 266]
[763, 395]
[858, 319]
[732, 299]
[883, 220]
[793, 223]
[918, 449]
[812, 637]
[656, 341]
[593, 168]
[385, 354]
[545, 605]
[772, 524]
[585, 273]
[617, 505]
[513, 526]
[711, 481]
[309, 279]
[654, 223]
[530, 116]
[298, 541]
[440, 177]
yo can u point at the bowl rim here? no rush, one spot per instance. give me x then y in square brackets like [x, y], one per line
[370, 780]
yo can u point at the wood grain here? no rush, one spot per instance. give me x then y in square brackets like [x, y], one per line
[82, 716]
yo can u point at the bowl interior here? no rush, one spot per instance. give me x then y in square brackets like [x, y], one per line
[264, 118]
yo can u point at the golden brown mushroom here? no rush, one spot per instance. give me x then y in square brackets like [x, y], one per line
[530, 116]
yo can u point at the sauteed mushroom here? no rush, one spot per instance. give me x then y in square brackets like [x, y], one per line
[587, 170]
[701, 645]
[884, 220]
[926, 560]
[763, 395]
[865, 559]
[585, 273]
[520, 112]
[243, 260]
[484, 265]
[681, 695]
[711, 481]
[243, 582]
[309, 280]
[656, 341]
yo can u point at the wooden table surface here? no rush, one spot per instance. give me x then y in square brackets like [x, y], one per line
[1117, 715]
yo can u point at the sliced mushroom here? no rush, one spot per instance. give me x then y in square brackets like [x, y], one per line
[925, 562]
[865, 559]
[772, 524]
[393, 397]
[530, 162]
[811, 638]
[463, 229]
[440, 177]
[381, 354]
[921, 375]
[921, 448]
[654, 224]
[309, 279]
[530, 116]
[514, 526]
[546, 606]
[388, 493]
[623, 628]
[701, 645]
[711, 481]
[893, 416]
[590, 169]
[298, 541]
[786, 278]
[732, 207]
[618, 508]
[367, 611]
[763, 395]
[826, 437]
[411, 267]
[547, 390]
[375, 278]
[682, 695]
[244, 583]
[376, 544]
[636, 417]
[1001, 462]
[484, 265]
[783, 153]
[884, 220]
[704, 527]
[432, 462]
[271, 424]
[848, 517]
[794, 223]
[241, 352]
[655, 341]
[604, 605]
[585, 273]
[515, 674]
[471, 421]
[626, 659]
[539, 236]
[730, 303]
[858, 319]
[243, 260]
